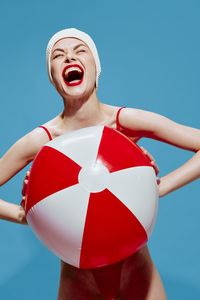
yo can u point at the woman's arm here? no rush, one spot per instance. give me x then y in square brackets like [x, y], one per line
[15, 159]
[12, 212]
[158, 127]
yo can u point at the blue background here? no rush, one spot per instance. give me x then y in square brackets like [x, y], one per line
[150, 60]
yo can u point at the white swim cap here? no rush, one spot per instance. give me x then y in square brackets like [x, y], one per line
[74, 33]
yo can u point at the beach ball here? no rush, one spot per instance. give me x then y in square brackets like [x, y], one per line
[92, 197]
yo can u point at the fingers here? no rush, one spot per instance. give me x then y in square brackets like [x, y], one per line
[23, 201]
[27, 175]
[25, 183]
[24, 187]
[154, 165]
[151, 158]
[158, 180]
[22, 215]
[147, 154]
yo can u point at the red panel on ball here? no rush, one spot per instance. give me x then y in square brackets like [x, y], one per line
[51, 172]
[111, 231]
[118, 152]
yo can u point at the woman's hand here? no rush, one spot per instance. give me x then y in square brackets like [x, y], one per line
[12, 212]
[152, 161]
[22, 216]
[24, 189]
[15, 159]
[23, 201]
[26, 178]
[160, 128]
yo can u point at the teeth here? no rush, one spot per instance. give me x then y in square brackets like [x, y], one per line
[73, 69]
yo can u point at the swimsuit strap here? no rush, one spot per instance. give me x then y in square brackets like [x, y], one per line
[118, 126]
[47, 131]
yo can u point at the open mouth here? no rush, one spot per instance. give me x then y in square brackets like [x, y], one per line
[73, 75]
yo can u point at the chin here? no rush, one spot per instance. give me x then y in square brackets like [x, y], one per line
[76, 93]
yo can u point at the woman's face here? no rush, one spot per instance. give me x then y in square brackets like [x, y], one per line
[73, 68]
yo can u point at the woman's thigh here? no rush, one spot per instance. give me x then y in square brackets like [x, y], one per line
[139, 281]
[76, 284]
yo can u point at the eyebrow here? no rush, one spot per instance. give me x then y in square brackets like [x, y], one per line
[79, 45]
[62, 50]
[58, 49]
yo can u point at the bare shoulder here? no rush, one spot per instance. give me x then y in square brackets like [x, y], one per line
[138, 119]
[31, 143]
[145, 120]
[54, 126]
[21, 153]
[37, 137]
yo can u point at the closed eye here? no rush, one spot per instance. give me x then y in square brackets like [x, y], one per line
[58, 55]
[81, 50]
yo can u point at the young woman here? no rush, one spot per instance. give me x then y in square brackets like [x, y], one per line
[74, 69]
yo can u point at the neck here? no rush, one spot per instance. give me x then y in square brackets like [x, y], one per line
[82, 112]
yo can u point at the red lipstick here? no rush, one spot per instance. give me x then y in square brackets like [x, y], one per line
[74, 76]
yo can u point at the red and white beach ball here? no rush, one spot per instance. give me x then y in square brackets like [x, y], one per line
[92, 197]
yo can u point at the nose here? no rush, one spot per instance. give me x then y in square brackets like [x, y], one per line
[69, 58]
